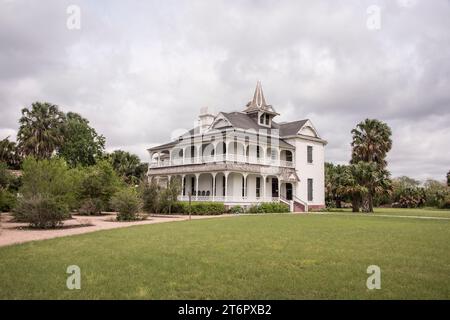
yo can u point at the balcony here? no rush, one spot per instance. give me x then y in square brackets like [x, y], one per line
[235, 158]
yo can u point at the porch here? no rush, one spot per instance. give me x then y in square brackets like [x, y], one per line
[232, 188]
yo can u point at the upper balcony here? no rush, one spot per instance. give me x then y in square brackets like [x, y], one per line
[234, 152]
[235, 158]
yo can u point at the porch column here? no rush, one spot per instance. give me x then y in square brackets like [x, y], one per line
[213, 185]
[168, 180]
[197, 175]
[225, 174]
[279, 187]
[263, 184]
[182, 185]
[245, 184]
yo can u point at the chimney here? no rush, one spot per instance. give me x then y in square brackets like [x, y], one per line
[205, 119]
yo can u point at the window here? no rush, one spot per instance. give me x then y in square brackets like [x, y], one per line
[310, 154]
[273, 154]
[267, 119]
[243, 186]
[258, 187]
[261, 119]
[310, 189]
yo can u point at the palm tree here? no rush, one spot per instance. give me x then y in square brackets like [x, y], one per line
[371, 142]
[40, 132]
[8, 153]
[362, 181]
[125, 164]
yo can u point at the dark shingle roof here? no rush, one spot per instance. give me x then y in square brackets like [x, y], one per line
[291, 128]
[244, 121]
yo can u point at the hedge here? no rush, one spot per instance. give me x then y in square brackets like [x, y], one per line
[199, 208]
[268, 207]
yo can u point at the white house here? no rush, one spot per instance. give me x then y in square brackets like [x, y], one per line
[246, 158]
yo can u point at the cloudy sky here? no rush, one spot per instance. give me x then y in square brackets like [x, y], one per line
[141, 70]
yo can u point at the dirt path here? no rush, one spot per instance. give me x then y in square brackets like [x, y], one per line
[13, 232]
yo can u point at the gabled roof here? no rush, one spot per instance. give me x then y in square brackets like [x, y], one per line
[291, 128]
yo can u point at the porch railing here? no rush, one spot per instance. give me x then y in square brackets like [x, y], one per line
[237, 199]
[229, 157]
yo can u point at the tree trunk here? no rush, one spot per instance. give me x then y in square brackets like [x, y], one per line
[355, 204]
[365, 204]
[370, 202]
[338, 203]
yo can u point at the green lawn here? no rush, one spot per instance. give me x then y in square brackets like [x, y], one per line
[422, 212]
[281, 256]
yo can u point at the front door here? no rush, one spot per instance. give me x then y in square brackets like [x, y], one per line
[274, 188]
[289, 191]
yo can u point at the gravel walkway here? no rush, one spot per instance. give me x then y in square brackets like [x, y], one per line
[12, 232]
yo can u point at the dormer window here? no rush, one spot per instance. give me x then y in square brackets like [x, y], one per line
[264, 119]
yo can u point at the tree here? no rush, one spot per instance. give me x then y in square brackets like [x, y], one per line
[435, 192]
[9, 154]
[361, 181]
[448, 179]
[40, 131]
[51, 178]
[82, 145]
[99, 182]
[127, 165]
[334, 182]
[169, 195]
[371, 143]
[150, 195]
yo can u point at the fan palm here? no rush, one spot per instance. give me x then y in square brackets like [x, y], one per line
[371, 142]
[40, 130]
[362, 181]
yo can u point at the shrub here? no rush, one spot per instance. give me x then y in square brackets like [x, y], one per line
[269, 207]
[435, 193]
[99, 182]
[236, 209]
[91, 207]
[445, 204]
[127, 203]
[41, 211]
[7, 201]
[150, 196]
[49, 177]
[199, 208]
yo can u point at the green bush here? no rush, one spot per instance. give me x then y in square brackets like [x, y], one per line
[52, 178]
[99, 182]
[127, 204]
[445, 204]
[150, 196]
[236, 209]
[199, 208]
[7, 201]
[269, 207]
[41, 211]
[91, 207]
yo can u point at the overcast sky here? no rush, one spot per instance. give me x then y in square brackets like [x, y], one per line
[140, 71]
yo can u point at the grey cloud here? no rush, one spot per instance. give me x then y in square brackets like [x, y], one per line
[140, 71]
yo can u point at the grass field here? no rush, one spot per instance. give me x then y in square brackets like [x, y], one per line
[422, 212]
[247, 257]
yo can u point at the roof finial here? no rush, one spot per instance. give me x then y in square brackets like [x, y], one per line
[258, 102]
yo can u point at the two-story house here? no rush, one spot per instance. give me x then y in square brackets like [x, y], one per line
[243, 158]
